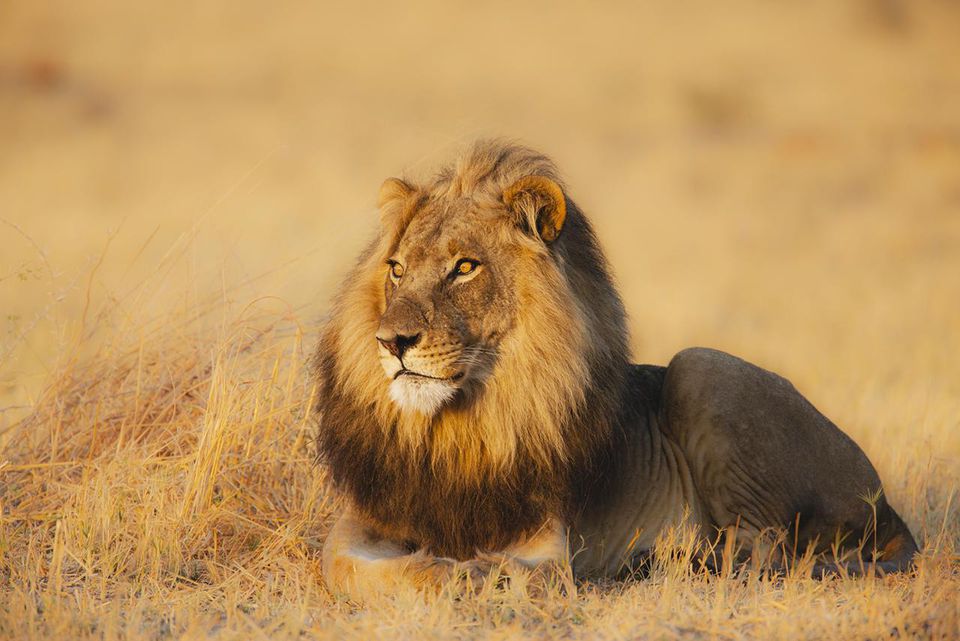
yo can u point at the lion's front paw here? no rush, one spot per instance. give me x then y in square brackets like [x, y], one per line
[532, 581]
[459, 576]
[495, 571]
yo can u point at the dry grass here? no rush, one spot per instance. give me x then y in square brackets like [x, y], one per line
[163, 487]
[780, 180]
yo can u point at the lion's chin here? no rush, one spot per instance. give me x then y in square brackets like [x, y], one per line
[423, 396]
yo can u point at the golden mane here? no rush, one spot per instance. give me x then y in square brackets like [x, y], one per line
[545, 415]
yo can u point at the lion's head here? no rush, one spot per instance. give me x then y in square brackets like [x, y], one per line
[474, 358]
[457, 278]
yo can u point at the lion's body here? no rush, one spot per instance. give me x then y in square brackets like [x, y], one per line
[510, 421]
[715, 442]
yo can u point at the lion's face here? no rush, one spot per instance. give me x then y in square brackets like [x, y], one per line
[450, 290]
[449, 303]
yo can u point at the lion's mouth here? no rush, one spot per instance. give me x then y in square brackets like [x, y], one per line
[412, 374]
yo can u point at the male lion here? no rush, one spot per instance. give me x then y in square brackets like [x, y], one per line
[476, 405]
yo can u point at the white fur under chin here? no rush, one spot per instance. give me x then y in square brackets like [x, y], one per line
[421, 395]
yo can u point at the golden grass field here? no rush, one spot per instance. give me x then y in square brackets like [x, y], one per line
[183, 184]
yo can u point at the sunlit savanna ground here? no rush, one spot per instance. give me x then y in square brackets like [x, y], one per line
[182, 185]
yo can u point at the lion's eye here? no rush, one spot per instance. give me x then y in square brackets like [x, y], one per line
[465, 266]
[396, 270]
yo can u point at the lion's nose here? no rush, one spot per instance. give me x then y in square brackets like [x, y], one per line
[397, 344]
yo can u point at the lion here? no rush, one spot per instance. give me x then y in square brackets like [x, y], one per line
[477, 406]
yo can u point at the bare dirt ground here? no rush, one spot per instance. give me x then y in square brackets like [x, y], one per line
[183, 184]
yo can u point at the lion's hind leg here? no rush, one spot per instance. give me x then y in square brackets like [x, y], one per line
[776, 553]
[887, 549]
[762, 456]
[897, 545]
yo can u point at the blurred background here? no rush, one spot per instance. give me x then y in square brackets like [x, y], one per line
[779, 179]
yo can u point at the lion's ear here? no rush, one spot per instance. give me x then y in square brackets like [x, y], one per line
[392, 190]
[394, 194]
[540, 204]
